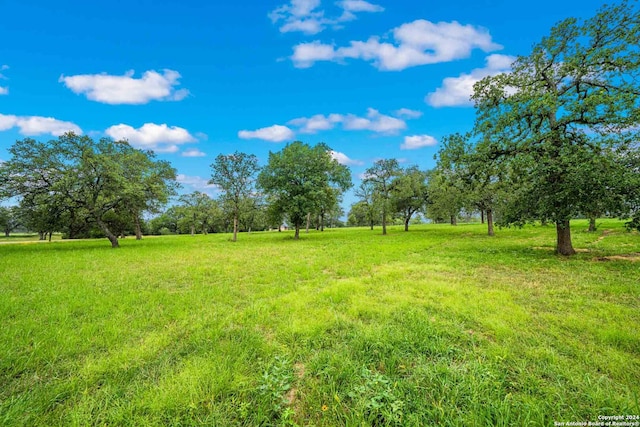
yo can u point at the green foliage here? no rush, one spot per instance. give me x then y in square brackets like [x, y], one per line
[477, 182]
[368, 207]
[359, 215]
[10, 219]
[301, 180]
[77, 176]
[196, 213]
[379, 177]
[558, 114]
[409, 193]
[274, 384]
[446, 195]
[376, 397]
[235, 175]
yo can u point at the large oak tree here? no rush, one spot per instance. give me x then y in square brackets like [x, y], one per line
[99, 178]
[574, 98]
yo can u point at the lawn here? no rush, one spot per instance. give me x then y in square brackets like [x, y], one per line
[438, 326]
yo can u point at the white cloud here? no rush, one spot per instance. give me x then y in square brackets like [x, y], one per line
[7, 122]
[275, 133]
[196, 183]
[359, 6]
[126, 89]
[416, 43]
[343, 159]
[316, 123]
[160, 138]
[306, 16]
[418, 141]
[193, 152]
[37, 125]
[457, 91]
[375, 122]
[3, 90]
[306, 54]
[406, 113]
[300, 15]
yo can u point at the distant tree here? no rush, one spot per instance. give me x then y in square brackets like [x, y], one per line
[557, 111]
[329, 207]
[196, 213]
[631, 164]
[380, 176]
[235, 175]
[483, 183]
[365, 193]
[10, 219]
[94, 177]
[253, 215]
[409, 193]
[332, 217]
[43, 216]
[446, 195]
[296, 180]
[166, 222]
[358, 215]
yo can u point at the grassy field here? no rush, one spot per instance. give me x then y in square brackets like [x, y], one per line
[24, 237]
[438, 326]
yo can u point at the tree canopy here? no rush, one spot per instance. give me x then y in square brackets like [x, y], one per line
[298, 179]
[560, 109]
[235, 175]
[76, 173]
[380, 176]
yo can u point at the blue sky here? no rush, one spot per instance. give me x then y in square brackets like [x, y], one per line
[191, 79]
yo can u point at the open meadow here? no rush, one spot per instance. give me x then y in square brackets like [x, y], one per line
[440, 325]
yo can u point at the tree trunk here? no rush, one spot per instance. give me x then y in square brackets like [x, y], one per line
[50, 234]
[112, 237]
[454, 220]
[193, 229]
[138, 228]
[490, 222]
[564, 246]
[592, 224]
[235, 228]
[297, 235]
[371, 225]
[41, 235]
[406, 223]
[322, 221]
[384, 223]
[482, 215]
[308, 221]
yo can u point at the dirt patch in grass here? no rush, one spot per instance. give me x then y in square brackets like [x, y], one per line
[550, 248]
[633, 257]
[605, 233]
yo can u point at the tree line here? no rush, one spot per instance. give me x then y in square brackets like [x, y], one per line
[554, 138]
[87, 188]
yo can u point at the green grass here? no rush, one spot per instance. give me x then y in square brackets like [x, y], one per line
[24, 237]
[438, 326]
